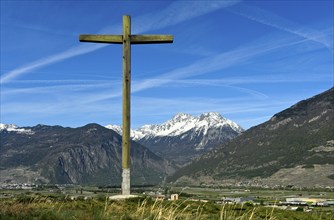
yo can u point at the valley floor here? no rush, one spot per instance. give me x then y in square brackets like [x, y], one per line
[193, 203]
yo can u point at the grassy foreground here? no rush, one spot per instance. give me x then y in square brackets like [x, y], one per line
[62, 207]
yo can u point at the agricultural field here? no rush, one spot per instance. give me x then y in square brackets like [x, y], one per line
[194, 203]
[266, 195]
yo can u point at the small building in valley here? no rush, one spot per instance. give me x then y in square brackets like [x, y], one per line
[174, 197]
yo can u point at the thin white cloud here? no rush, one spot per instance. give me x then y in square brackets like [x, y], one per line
[180, 11]
[216, 63]
[254, 121]
[241, 108]
[253, 79]
[273, 20]
[73, 87]
[177, 12]
[38, 29]
[181, 76]
[75, 51]
[142, 107]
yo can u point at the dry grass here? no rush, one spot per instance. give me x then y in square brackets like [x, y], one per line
[43, 207]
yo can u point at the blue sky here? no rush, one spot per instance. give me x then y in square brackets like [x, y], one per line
[244, 59]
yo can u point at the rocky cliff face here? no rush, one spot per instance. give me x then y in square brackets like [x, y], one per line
[89, 154]
[296, 146]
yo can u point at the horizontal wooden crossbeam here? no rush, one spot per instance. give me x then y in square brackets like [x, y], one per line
[151, 39]
[98, 38]
[118, 39]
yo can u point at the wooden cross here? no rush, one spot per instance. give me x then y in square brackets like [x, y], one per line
[126, 39]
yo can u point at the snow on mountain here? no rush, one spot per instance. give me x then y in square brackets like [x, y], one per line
[116, 128]
[180, 124]
[15, 128]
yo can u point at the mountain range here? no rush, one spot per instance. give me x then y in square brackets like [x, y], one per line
[184, 137]
[86, 155]
[294, 147]
[91, 154]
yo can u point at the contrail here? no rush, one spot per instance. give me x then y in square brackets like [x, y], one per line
[268, 18]
[75, 51]
[157, 20]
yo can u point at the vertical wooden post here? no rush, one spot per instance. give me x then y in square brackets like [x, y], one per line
[126, 163]
[126, 39]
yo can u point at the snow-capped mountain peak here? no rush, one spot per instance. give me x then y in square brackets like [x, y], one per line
[185, 136]
[214, 119]
[182, 117]
[180, 124]
[211, 118]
